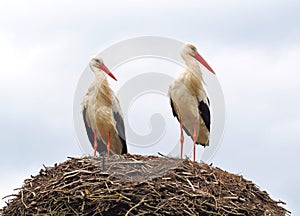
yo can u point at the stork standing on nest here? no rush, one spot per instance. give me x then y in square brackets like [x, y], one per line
[102, 113]
[189, 101]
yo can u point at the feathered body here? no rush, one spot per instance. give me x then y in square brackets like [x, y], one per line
[103, 116]
[189, 100]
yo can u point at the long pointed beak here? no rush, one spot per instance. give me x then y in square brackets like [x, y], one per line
[202, 61]
[106, 70]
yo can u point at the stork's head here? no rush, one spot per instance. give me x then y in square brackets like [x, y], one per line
[96, 63]
[189, 50]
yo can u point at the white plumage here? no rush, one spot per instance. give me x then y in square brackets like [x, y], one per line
[189, 100]
[102, 113]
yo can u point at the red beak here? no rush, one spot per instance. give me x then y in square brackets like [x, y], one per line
[202, 61]
[106, 70]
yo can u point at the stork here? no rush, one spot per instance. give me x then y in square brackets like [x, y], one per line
[102, 113]
[189, 101]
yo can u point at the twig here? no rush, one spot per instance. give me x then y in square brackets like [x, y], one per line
[190, 184]
[135, 206]
[23, 200]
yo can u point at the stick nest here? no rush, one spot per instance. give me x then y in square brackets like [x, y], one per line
[139, 185]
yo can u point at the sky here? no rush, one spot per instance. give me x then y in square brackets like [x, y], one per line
[253, 47]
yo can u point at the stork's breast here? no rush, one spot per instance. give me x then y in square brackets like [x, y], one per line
[185, 102]
[193, 84]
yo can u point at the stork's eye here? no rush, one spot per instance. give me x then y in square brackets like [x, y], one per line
[194, 49]
[97, 60]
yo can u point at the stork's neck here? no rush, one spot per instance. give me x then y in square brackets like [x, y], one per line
[103, 90]
[193, 67]
[99, 75]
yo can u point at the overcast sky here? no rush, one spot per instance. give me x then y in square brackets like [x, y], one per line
[253, 46]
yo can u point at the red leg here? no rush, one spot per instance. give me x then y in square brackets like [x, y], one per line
[195, 138]
[108, 144]
[181, 140]
[95, 144]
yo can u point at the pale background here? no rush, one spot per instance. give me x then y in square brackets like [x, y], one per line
[253, 46]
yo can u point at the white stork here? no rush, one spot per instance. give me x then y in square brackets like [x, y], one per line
[102, 113]
[189, 101]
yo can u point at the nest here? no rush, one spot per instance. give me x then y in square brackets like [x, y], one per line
[139, 185]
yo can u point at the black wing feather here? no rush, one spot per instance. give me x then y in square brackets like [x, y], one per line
[173, 110]
[205, 113]
[101, 146]
[121, 131]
